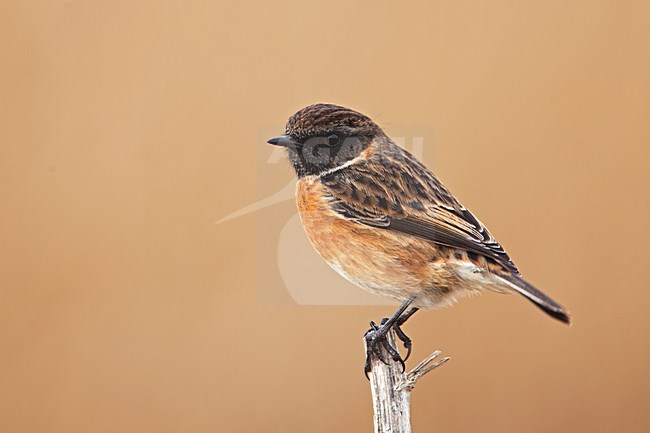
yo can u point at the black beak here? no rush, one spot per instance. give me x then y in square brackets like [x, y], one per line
[283, 140]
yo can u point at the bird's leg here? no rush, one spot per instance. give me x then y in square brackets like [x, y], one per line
[404, 317]
[376, 335]
[408, 344]
[387, 324]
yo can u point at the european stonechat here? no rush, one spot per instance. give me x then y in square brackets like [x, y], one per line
[382, 220]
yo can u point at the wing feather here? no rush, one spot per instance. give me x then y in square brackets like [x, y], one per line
[392, 190]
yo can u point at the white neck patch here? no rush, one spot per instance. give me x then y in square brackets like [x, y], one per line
[340, 167]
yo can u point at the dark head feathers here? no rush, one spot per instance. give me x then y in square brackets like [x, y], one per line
[323, 137]
[322, 119]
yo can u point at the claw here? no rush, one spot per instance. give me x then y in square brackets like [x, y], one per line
[408, 344]
[367, 369]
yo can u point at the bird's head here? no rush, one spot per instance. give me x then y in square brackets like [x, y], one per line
[322, 137]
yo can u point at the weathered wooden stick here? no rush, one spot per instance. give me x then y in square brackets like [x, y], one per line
[391, 389]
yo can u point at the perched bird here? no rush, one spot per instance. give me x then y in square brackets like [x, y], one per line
[382, 220]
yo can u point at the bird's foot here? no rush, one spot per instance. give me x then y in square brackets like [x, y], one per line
[377, 337]
[408, 344]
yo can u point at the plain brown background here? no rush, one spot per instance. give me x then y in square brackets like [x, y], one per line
[128, 128]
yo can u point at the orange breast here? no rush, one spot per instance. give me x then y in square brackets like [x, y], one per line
[389, 264]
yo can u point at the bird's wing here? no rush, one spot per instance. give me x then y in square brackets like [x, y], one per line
[394, 191]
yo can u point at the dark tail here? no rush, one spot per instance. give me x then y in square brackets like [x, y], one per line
[542, 301]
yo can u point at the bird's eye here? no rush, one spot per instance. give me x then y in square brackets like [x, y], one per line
[333, 140]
